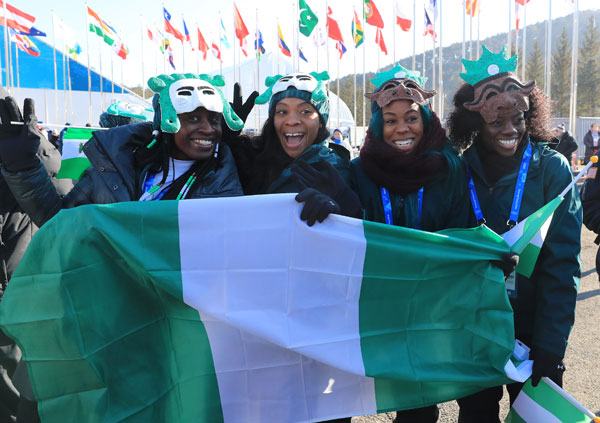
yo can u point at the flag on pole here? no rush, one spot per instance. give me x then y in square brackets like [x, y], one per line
[522, 2]
[517, 16]
[241, 31]
[119, 47]
[15, 18]
[74, 162]
[372, 15]
[403, 19]
[333, 29]
[472, 7]
[100, 27]
[187, 34]
[202, 45]
[33, 32]
[216, 50]
[63, 32]
[259, 44]
[236, 333]
[341, 48]
[429, 27]
[379, 41]
[319, 38]
[282, 45]
[150, 32]
[308, 18]
[357, 30]
[171, 59]
[170, 28]
[24, 43]
[547, 403]
[224, 39]
[533, 228]
[301, 55]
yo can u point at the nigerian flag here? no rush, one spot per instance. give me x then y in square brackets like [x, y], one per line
[74, 162]
[547, 403]
[234, 309]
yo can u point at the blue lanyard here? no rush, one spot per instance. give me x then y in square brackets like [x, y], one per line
[517, 197]
[148, 186]
[387, 206]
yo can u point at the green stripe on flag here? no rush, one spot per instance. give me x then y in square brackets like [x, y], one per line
[73, 168]
[106, 327]
[100, 33]
[78, 134]
[401, 339]
[554, 403]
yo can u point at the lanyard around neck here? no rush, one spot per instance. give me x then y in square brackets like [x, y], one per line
[387, 206]
[517, 197]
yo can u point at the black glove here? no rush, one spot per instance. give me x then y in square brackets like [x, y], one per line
[241, 108]
[546, 364]
[507, 264]
[323, 177]
[317, 206]
[18, 143]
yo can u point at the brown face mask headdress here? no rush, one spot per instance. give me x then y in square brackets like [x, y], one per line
[497, 88]
[399, 83]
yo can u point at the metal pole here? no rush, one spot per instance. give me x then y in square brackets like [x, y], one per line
[509, 35]
[574, 59]
[414, 25]
[55, 71]
[464, 48]
[548, 61]
[143, 79]
[524, 53]
[6, 48]
[440, 72]
[87, 53]
[364, 79]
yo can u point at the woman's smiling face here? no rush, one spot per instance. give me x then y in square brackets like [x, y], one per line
[503, 135]
[296, 124]
[402, 125]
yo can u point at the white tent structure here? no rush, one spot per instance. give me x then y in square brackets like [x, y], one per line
[252, 78]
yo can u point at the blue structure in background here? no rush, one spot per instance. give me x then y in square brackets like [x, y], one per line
[38, 72]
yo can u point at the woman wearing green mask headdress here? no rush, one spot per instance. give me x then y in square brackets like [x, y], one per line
[504, 125]
[178, 156]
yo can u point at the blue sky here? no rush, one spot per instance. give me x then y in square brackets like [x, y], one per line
[124, 16]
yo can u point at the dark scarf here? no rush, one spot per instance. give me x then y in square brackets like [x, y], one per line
[405, 173]
[496, 166]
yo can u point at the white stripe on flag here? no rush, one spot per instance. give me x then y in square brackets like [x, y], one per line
[267, 277]
[531, 411]
[538, 238]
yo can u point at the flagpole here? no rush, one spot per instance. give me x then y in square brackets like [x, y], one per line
[234, 49]
[394, 34]
[548, 61]
[414, 24]
[6, 48]
[338, 92]
[364, 79]
[10, 65]
[471, 37]
[101, 77]
[440, 72]
[17, 91]
[55, 71]
[327, 39]
[478, 27]
[112, 77]
[65, 88]
[220, 45]
[574, 60]
[87, 43]
[70, 91]
[143, 61]
[524, 48]
[509, 37]
[354, 76]
[464, 51]
[257, 115]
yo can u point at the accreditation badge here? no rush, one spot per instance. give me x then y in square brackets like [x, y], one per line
[591, 173]
[511, 284]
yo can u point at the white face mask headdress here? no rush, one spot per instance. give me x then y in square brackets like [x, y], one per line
[184, 93]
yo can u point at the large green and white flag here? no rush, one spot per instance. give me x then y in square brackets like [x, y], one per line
[74, 162]
[234, 309]
[547, 403]
[527, 237]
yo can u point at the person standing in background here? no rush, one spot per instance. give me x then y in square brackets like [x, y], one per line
[591, 141]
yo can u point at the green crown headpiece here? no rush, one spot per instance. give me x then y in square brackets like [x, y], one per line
[399, 72]
[184, 92]
[489, 64]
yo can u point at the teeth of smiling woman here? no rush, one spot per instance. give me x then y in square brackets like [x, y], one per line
[295, 134]
[202, 142]
[404, 143]
[508, 143]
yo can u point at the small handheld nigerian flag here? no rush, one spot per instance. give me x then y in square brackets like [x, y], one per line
[547, 403]
[74, 162]
[527, 237]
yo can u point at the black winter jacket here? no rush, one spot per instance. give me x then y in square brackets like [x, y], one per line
[16, 228]
[113, 176]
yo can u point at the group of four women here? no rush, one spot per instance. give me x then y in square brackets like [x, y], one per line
[409, 173]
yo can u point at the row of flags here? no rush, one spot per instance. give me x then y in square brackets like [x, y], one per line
[22, 25]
